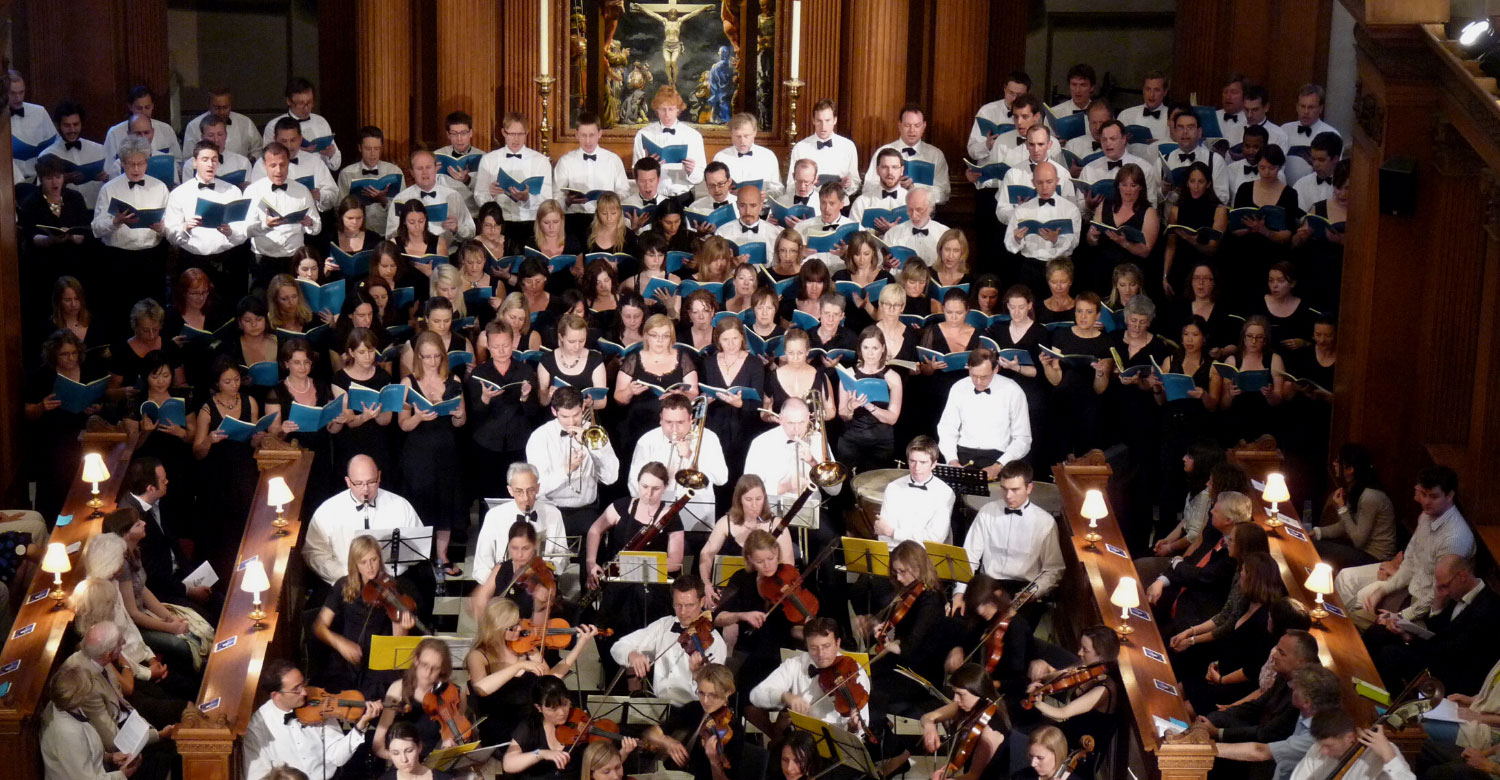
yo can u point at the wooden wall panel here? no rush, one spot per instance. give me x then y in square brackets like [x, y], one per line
[520, 65]
[957, 90]
[383, 28]
[1282, 44]
[466, 41]
[1006, 45]
[338, 72]
[875, 81]
[821, 22]
[142, 28]
[46, 58]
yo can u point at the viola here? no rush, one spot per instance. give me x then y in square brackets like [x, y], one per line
[994, 642]
[972, 729]
[446, 708]
[557, 635]
[384, 593]
[784, 588]
[718, 724]
[840, 680]
[322, 705]
[1064, 680]
[698, 636]
[899, 609]
[1070, 764]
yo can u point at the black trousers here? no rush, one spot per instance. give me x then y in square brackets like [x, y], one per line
[228, 271]
[263, 267]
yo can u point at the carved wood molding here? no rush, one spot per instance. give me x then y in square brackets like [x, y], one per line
[1369, 113]
[273, 453]
[1094, 457]
[1452, 154]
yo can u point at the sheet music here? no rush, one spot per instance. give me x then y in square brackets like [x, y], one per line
[132, 736]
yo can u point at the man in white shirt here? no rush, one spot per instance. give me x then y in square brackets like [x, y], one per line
[1308, 125]
[524, 507]
[1153, 114]
[139, 102]
[520, 163]
[920, 232]
[456, 225]
[646, 195]
[911, 147]
[1000, 112]
[234, 168]
[1112, 140]
[1324, 151]
[569, 471]
[134, 263]
[29, 124]
[1013, 540]
[1087, 147]
[829, 219]
[217, 249]
[1231, 113]
[272, 238]
[1257, 105]
[748, 161]
[794, 684]
[919, 506]
[802, 192]
[73, 148]
[889, 193]
[671, 444]
[370, 166]
[985, 420]
[460, 129]
[678, 178]
[300, 100]
[1253, 145]
[750, 228]
[242, 137]
[1081, 81]
[362, 508]
[836, 156]
[782, 456]
[1038, 246]
[1037, 142]
[1336, 736]
[304, 165]
[718, 187]
[1010, 146]
[655, 651]
[144, 128]
[275, 737]
[589, 168]
[1189, 137]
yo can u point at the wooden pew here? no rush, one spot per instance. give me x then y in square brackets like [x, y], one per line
[209, 732]
[46, 621]
[1085, 593]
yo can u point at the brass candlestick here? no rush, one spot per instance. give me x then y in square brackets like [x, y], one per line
[794, 87]
[544, 83]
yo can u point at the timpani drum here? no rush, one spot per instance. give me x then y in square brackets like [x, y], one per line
[869, 494]
[1043, 494]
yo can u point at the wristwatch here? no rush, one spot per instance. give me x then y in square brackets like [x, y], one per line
[537, 754]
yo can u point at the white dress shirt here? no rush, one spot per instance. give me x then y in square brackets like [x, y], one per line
[880, 198]
[271, 741]
[600, 170]
[1315, 765]
[998, 112]
[243, 137]
[1033, 245]
[375, 211]
[1020, 547]
[792, 677]
[836, 156]
[284, 239]
[338, 520]
[550, 449]
[1175, 160]
[925, 243]
[1158, 124]
[229, 162]
[653, 446]
[1298, 134]
[759, 163]
[917, 514]
[671, 675]
[1231, 126]
[71, 749]
[994, 419]
[87, 152]
[774, 458]
[182, 207]
[149, 194]
[113, 167]
[674, 181]
[492, 549]
[441, 193]
[163, 138]
[313, 128]
[34, 126]
[1100, 169]
[815, 227]
[941, 186]
[1068, 108]
[1083, 146]
[301, 166]
[530, 163]
[1021, 174]
[760, 230]
[1309, 190]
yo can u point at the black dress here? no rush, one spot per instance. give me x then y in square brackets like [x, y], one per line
[372, 438]
[680, 724]
[227, 476]
[644, 411]
[1140, 419]
[195, 357]
[627, 607]
[498, 430]
[1076, 423]
[761, 646]
[1251, 255]
[529, 736]
[856, 318]
[504, 709]
[1108, 255]
[42, 266]
[1320, 266]
[357, 622]
[1197, 213]
[1035, 388]
[735, 427]
[1297, 325]
[54, 437]
[1183, 421]
[1223, 329]
[921, 651]
[431, 477]
[867, 443]
[321, 482]
[580, 381]
[929, 394]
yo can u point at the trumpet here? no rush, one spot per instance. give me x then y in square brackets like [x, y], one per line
[690, 477]
[829, 472]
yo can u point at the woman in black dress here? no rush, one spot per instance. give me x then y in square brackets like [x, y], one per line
[749, 511]
[438, 316]
[869, 437]
[608, 232]
[53, 225]
[1249, 414]
[353, 236]
[1046, 752]
[987, 296]
[626, 608]
[390, 264]
[127, 359]
[190, 323]
[431, 666]
[1195, 225]
[1139, 415]
[168, 442]
[70, 312]
[863, 268]
[1091, 708]
[572, 364]
[1256, 245]
[287, 308]
[1200, 299]
[667, 221]
[535, 753]
[403, 744]
[480, 292]
[912, 641]
[796, 376]
[345, 623]
[549, 239]
[367, 430]
[697, 325]
[254, 347]
[744, 280]
[1024, 333]
[1079, 382]
[414, 240]
[431, 477]
[658, 363]
[1321, 262]
[1057, 307]
[500, 679]
[653, 249]
[1185, 418]
[973, 693]
[764, 323]
[227, 473]
[54, 430]
[732, 415]
[929, 389]
[1231, 647]
[1309, 408]
[805, 295]
[601, 289]
[1289, 316]
[1128, 210]
[300, 387]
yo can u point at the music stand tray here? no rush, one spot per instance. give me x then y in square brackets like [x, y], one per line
[964, 481]
[627, 710]
[725, 566]
[647, 568]
[951, 561]
[460, 757]
[807, 516]
[867, 556]
[837, 745]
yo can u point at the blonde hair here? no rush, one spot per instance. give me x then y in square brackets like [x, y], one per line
[500, 615]
[719, 675]
[363, 545]
[516, 300]
[660, 321]
[548, 206]
[69, 687]
[1051, 738]
[954, 234]
[94, 601]
[913, 556]
[608, 199]
[446, 273]
[597, 756]
[715, 249]
[303, 314]
[791, 237]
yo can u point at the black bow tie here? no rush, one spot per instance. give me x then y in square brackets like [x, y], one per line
[529, 517]
[1113, 164]
[287, 719]
[919, 231]
[140, 183]
[1185, 157]
[1153, 114]
[275, 187]
[915, 485]
[677, 629]
[74, 145]
[429, 193]
[369, 171]
[228, 120]
[745, 154]
[831, 228]
[513, 154]
[366, 505]
[1304, 130]
[1232, 118]
[669, 130]
[1251, 169]
[18, 111]
[204, 186]
[1322, 180]
[1046, 201]
[985, 391]
[909, 151]
[648, 202]
[825, 144]
[1010, 511]
[750, 228]
[800, 200]
[812, 670]
[591, 157]
[720, 205]
[1096, 145]
[887, 193]
[793, 441]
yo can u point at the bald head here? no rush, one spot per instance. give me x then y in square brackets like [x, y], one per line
[101, 640]
[1044, 179]
[141, 127]
[794, 417]
[1453, 578]
[748, 201]
[363, 478]
[919, 206]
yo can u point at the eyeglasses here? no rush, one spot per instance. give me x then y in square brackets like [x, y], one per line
[366, 483]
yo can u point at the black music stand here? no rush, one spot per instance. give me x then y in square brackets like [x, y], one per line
[964, 481]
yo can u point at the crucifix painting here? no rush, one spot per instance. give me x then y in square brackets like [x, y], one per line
[717, 53]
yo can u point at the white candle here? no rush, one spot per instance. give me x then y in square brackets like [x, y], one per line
[543, 49]
[796, 37]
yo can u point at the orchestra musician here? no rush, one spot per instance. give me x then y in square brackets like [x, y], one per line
[275, 737]
[978, 728]
[1089, 707]
[906, 634]
[405, 700]
[794, 686]
[534, 597]
[744, 615]
[346, 622]
[657, 651]
[689, 735]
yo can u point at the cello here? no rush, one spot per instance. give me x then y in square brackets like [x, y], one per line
[1420, 696]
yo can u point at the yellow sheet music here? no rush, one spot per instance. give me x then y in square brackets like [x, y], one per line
[951, 561]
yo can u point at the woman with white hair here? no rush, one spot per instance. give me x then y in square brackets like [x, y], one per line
[97, 600]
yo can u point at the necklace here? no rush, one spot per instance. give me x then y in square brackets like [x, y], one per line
[232, 404]
[564, 362]
[306, 386]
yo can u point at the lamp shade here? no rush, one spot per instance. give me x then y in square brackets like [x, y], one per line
[1276, 491]
[1126, 595]
[56, 560]
[1093, 505]
[254, 579]
[94, 469]
[277, 492]
[1321, 579]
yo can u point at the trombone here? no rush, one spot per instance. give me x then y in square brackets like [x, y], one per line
[829, 472]
[591, 437]
[690, 477]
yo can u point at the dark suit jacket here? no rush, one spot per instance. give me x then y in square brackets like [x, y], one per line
[1462, 651]
[163, 576]
[1266, 719]
[1199, 584]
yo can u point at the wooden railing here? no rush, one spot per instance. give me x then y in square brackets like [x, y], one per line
[41, 623]
[1150, 685]
[209, 732]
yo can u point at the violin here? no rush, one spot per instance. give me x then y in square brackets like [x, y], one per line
[536, 574]
[581, 727]
[557, 635]
[972, 730]
[1070, 764]
[446, 709]
[384, 593]
[899, 608]
[784, 588]
[841, 681]
[698, 636]
[994, 642]
[322, 705]
[1064, 680]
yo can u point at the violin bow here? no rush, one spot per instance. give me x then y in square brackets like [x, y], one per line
[583, 732]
